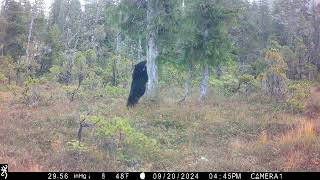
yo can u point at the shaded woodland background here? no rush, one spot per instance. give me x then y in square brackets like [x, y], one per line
[233, 85]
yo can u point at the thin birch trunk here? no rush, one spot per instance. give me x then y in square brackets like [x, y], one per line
[118, 54]
[204, 83]
[18, 77]
[68, 73]
[28, 61]
[187, 86]
[316, 33]
[126, 41]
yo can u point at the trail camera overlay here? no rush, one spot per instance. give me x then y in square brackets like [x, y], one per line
[3, 171]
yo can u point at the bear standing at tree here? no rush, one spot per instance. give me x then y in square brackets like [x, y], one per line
[138, 84]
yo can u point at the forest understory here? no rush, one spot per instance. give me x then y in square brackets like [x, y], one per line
[235, 133]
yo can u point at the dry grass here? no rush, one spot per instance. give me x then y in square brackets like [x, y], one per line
[223, 134]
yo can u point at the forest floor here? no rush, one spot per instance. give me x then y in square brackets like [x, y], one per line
[235, 133]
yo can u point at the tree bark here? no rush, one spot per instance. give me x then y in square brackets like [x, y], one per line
[316, 33]
[152, 55]
[115, 60]
[118, 48]
[219, 72]
[139, 51]
[204, 83]
[114, 72]
[18, 77]
[118, 53]
[29, 40]
[68, 73]
[132, 57]
[126, 41]
[187, 86]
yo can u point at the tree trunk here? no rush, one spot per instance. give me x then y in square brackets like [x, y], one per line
[152, 55]
[93, 38]
[316, 33]
[300, 69]
[204, 83]
[2, 46]
[115, 60]
[219, 72]
[118, 45]
[114, 72]
[29, 40]
[139, 51]
[132, 57]
[18, 77]
[68, 73]
[187, 86]
[126, 41]
[118, 53]
[152, 67]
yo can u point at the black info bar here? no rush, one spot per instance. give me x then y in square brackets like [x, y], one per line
[159, 175]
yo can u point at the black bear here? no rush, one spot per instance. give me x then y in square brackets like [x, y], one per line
[138, 84]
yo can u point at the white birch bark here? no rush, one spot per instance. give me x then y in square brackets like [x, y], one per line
[29, 40]
[187, 86]
[126, 46]
[139, 51]
[316, 31]
[118, 51]
[204, 83]
[95, 23]
[118, 36]
[33, 14]
[132, 56]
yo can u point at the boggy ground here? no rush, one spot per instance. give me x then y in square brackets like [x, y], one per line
[236, 133]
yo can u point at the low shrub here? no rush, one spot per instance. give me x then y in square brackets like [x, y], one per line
[131, 144]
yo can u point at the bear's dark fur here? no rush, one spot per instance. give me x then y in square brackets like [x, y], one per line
[138, 84]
